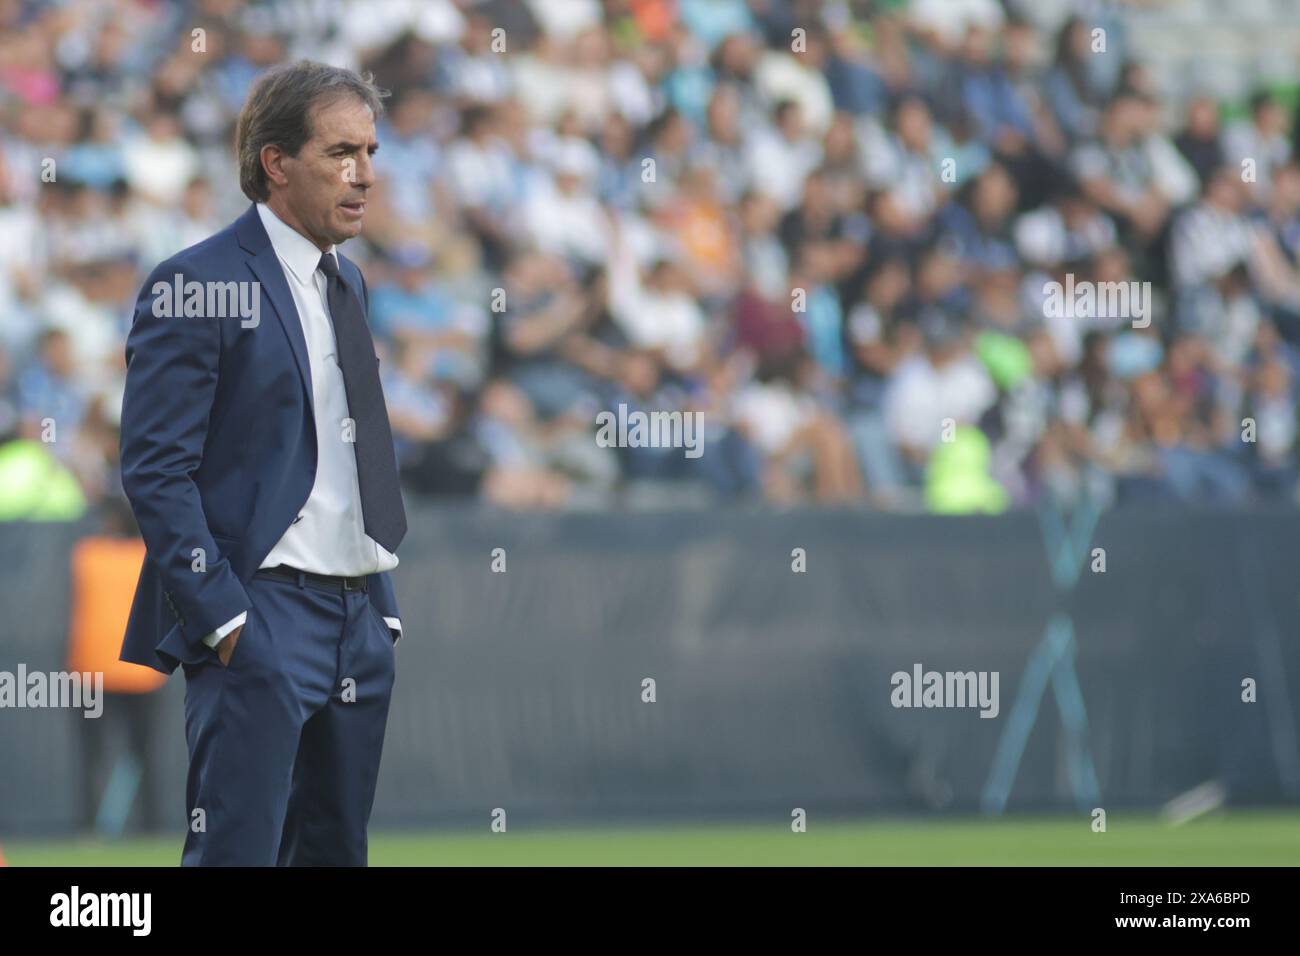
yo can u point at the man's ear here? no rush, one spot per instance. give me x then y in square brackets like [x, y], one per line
[272, 158]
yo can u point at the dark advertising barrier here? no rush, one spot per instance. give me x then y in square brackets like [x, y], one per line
[527, 689]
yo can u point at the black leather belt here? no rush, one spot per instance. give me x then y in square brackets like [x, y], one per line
[332, 582]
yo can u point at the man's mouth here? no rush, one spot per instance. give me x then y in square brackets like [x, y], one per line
[354, 207]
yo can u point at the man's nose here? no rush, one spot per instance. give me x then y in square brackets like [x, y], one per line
[365, 172]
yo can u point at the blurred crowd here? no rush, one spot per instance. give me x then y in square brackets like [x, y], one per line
[829, 227]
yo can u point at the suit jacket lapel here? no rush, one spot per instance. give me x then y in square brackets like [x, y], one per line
[266, 266]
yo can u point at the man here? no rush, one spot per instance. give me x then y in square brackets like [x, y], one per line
[258, 458]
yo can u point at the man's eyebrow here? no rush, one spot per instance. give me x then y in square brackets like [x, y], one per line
[348, 147]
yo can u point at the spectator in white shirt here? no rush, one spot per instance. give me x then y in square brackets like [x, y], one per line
[943, 383]
[563, 215]
[781, 157]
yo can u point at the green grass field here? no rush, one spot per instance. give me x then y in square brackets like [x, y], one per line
[1236, 839]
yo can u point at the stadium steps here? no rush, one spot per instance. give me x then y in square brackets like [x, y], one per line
[1199, 46]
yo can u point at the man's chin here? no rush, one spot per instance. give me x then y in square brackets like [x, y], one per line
[344, 231]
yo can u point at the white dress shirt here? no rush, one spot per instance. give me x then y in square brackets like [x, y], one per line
[328, 536]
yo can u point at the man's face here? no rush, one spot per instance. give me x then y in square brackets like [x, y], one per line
[324, 187]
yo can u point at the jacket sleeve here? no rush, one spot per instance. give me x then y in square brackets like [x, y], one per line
[171, 382]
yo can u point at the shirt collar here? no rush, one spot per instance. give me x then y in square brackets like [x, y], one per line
[295, 250]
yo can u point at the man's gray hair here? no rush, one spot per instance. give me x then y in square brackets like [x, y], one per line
[278, 113]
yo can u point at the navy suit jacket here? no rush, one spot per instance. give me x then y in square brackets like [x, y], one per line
[218, 444]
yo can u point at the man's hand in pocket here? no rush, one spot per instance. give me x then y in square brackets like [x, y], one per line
[226, 646]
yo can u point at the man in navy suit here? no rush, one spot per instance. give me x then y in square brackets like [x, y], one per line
[258, 458]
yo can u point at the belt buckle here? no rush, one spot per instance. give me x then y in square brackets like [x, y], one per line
[349, 585]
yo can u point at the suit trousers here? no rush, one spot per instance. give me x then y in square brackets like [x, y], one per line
[284, 741]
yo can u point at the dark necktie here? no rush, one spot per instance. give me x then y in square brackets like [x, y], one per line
[381, 494]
